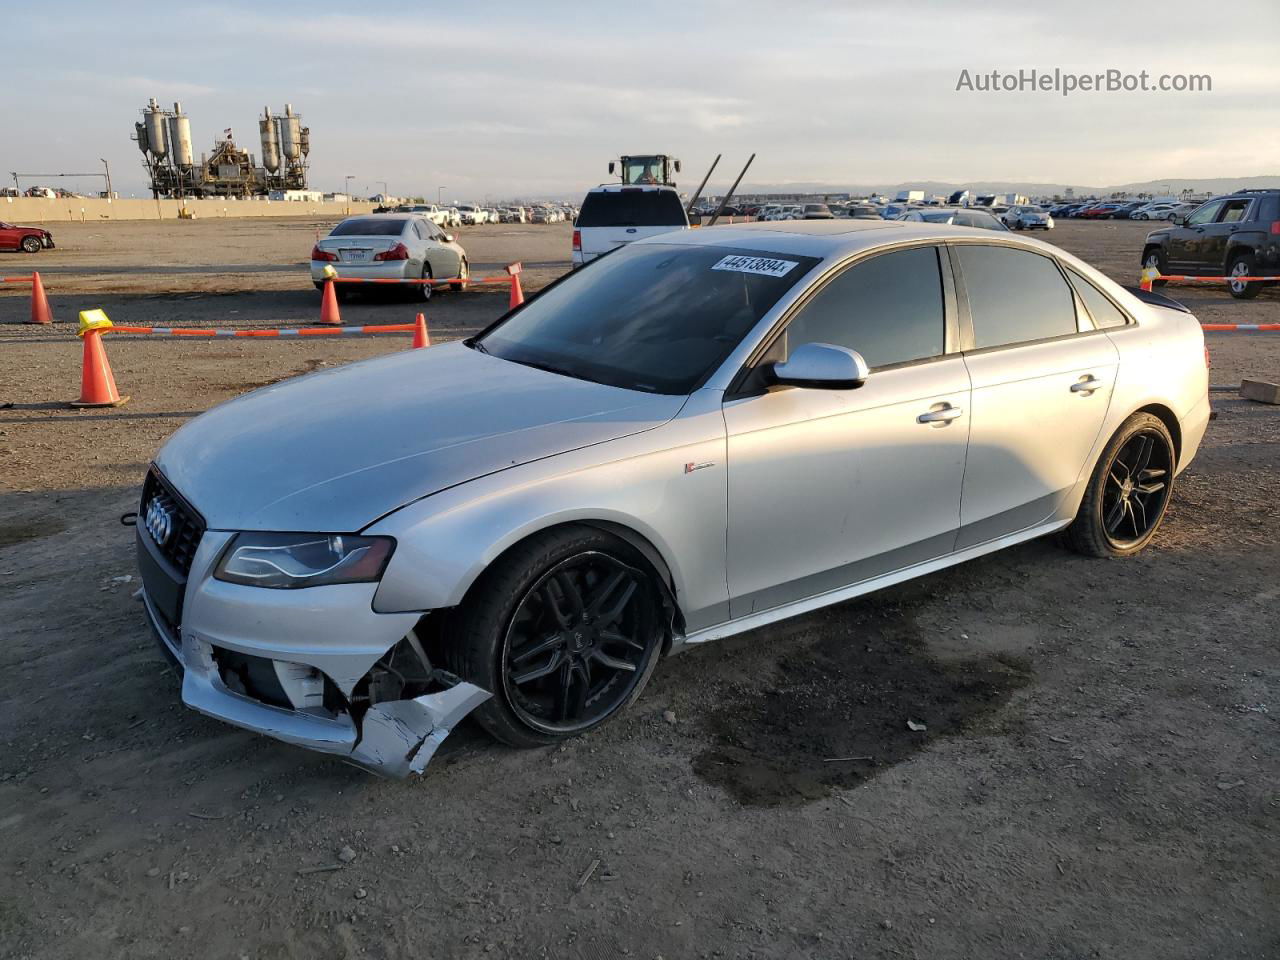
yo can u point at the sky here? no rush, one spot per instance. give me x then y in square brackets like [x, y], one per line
[522, 100]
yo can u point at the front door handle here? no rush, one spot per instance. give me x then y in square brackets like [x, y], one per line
[940, 413]
[1087, 385]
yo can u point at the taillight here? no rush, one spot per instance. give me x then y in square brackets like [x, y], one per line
[398, 252]
[577, 240]
[1206, 356]
[318, 254]
[1275, 227]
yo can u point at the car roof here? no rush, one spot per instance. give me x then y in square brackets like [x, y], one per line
[619, 187]
[836, 238]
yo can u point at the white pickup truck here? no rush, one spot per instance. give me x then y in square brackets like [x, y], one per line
[615, 214]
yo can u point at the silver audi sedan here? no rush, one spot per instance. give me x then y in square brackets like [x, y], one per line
[390, 246]
[699, 434]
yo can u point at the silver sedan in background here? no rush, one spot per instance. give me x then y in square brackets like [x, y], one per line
[702, 433]
[956, 216]
[1027, 218]
[390, 246]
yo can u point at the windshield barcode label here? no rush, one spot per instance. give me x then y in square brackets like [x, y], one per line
[762, 265]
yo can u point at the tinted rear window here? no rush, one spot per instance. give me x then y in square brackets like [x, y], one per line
[368, 227]
[1104, 312]
[639, 208]
[1015, 296]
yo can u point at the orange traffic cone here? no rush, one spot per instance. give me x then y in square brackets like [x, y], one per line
[420, 336]
[40, 312]
[97, 385]
[329, 306]
[517, 295]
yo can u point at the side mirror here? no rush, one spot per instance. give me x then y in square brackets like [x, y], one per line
[1178, 218]
[448, 238]
[610, 168]
[695, 219]
[677, 166]
[821, 366]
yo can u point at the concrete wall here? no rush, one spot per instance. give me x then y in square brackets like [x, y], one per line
[44, 210]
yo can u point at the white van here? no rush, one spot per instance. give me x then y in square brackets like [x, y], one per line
[614, 215]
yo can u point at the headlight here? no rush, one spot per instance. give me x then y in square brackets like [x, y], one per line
[287, 561]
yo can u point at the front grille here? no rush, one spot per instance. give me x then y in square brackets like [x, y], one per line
[186, 525]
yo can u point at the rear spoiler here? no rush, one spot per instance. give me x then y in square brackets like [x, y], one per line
[1157, 299]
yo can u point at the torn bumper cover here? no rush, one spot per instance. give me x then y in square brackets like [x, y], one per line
[399, 737]
[393, 738]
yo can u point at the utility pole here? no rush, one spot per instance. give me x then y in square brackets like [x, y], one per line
[350, 177]
[384, 190]
[439, 196]
[106, 166]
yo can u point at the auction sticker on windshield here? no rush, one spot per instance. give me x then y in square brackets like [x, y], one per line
[767, 266]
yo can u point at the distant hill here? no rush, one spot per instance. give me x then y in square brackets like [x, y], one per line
[1172, 185]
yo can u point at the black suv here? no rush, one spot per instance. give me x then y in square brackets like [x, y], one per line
[1236, 235]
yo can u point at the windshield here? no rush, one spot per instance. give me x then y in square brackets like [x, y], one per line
[369, 227]
[656, 317]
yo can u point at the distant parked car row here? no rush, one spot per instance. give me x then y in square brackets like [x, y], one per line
[1122, 210]
[472, 215]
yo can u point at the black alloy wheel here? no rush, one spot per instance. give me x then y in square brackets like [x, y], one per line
[1129, 491]
[577, 643]
[564, 630]
[1137, 488]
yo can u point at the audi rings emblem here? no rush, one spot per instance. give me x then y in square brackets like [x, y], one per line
[159, 522]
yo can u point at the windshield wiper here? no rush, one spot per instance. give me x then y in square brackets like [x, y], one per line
[476, 345]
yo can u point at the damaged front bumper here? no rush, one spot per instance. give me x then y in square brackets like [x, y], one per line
[314, 651]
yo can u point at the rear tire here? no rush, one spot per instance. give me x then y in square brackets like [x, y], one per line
[1128, 492]
[576, 608]
[422, 291]
[1243, 265]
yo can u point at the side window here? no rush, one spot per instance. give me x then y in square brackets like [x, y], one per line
[888, 308]
[1104, 312]
[1233, 211]
[1015, 295]
[420, 230]
[1205, 213]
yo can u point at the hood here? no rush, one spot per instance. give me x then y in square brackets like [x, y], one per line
[335, 450]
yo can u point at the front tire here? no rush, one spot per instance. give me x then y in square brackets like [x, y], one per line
[564, 630]
[464, 273]
[31, 244]
[1128, 492]
[1154, 257]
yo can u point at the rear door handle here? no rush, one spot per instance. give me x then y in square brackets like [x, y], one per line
[942, 413]
[1087, 385]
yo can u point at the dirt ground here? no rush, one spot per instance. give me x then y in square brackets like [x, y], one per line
[1098, 776]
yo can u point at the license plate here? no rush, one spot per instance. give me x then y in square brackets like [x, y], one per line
[354, 255]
